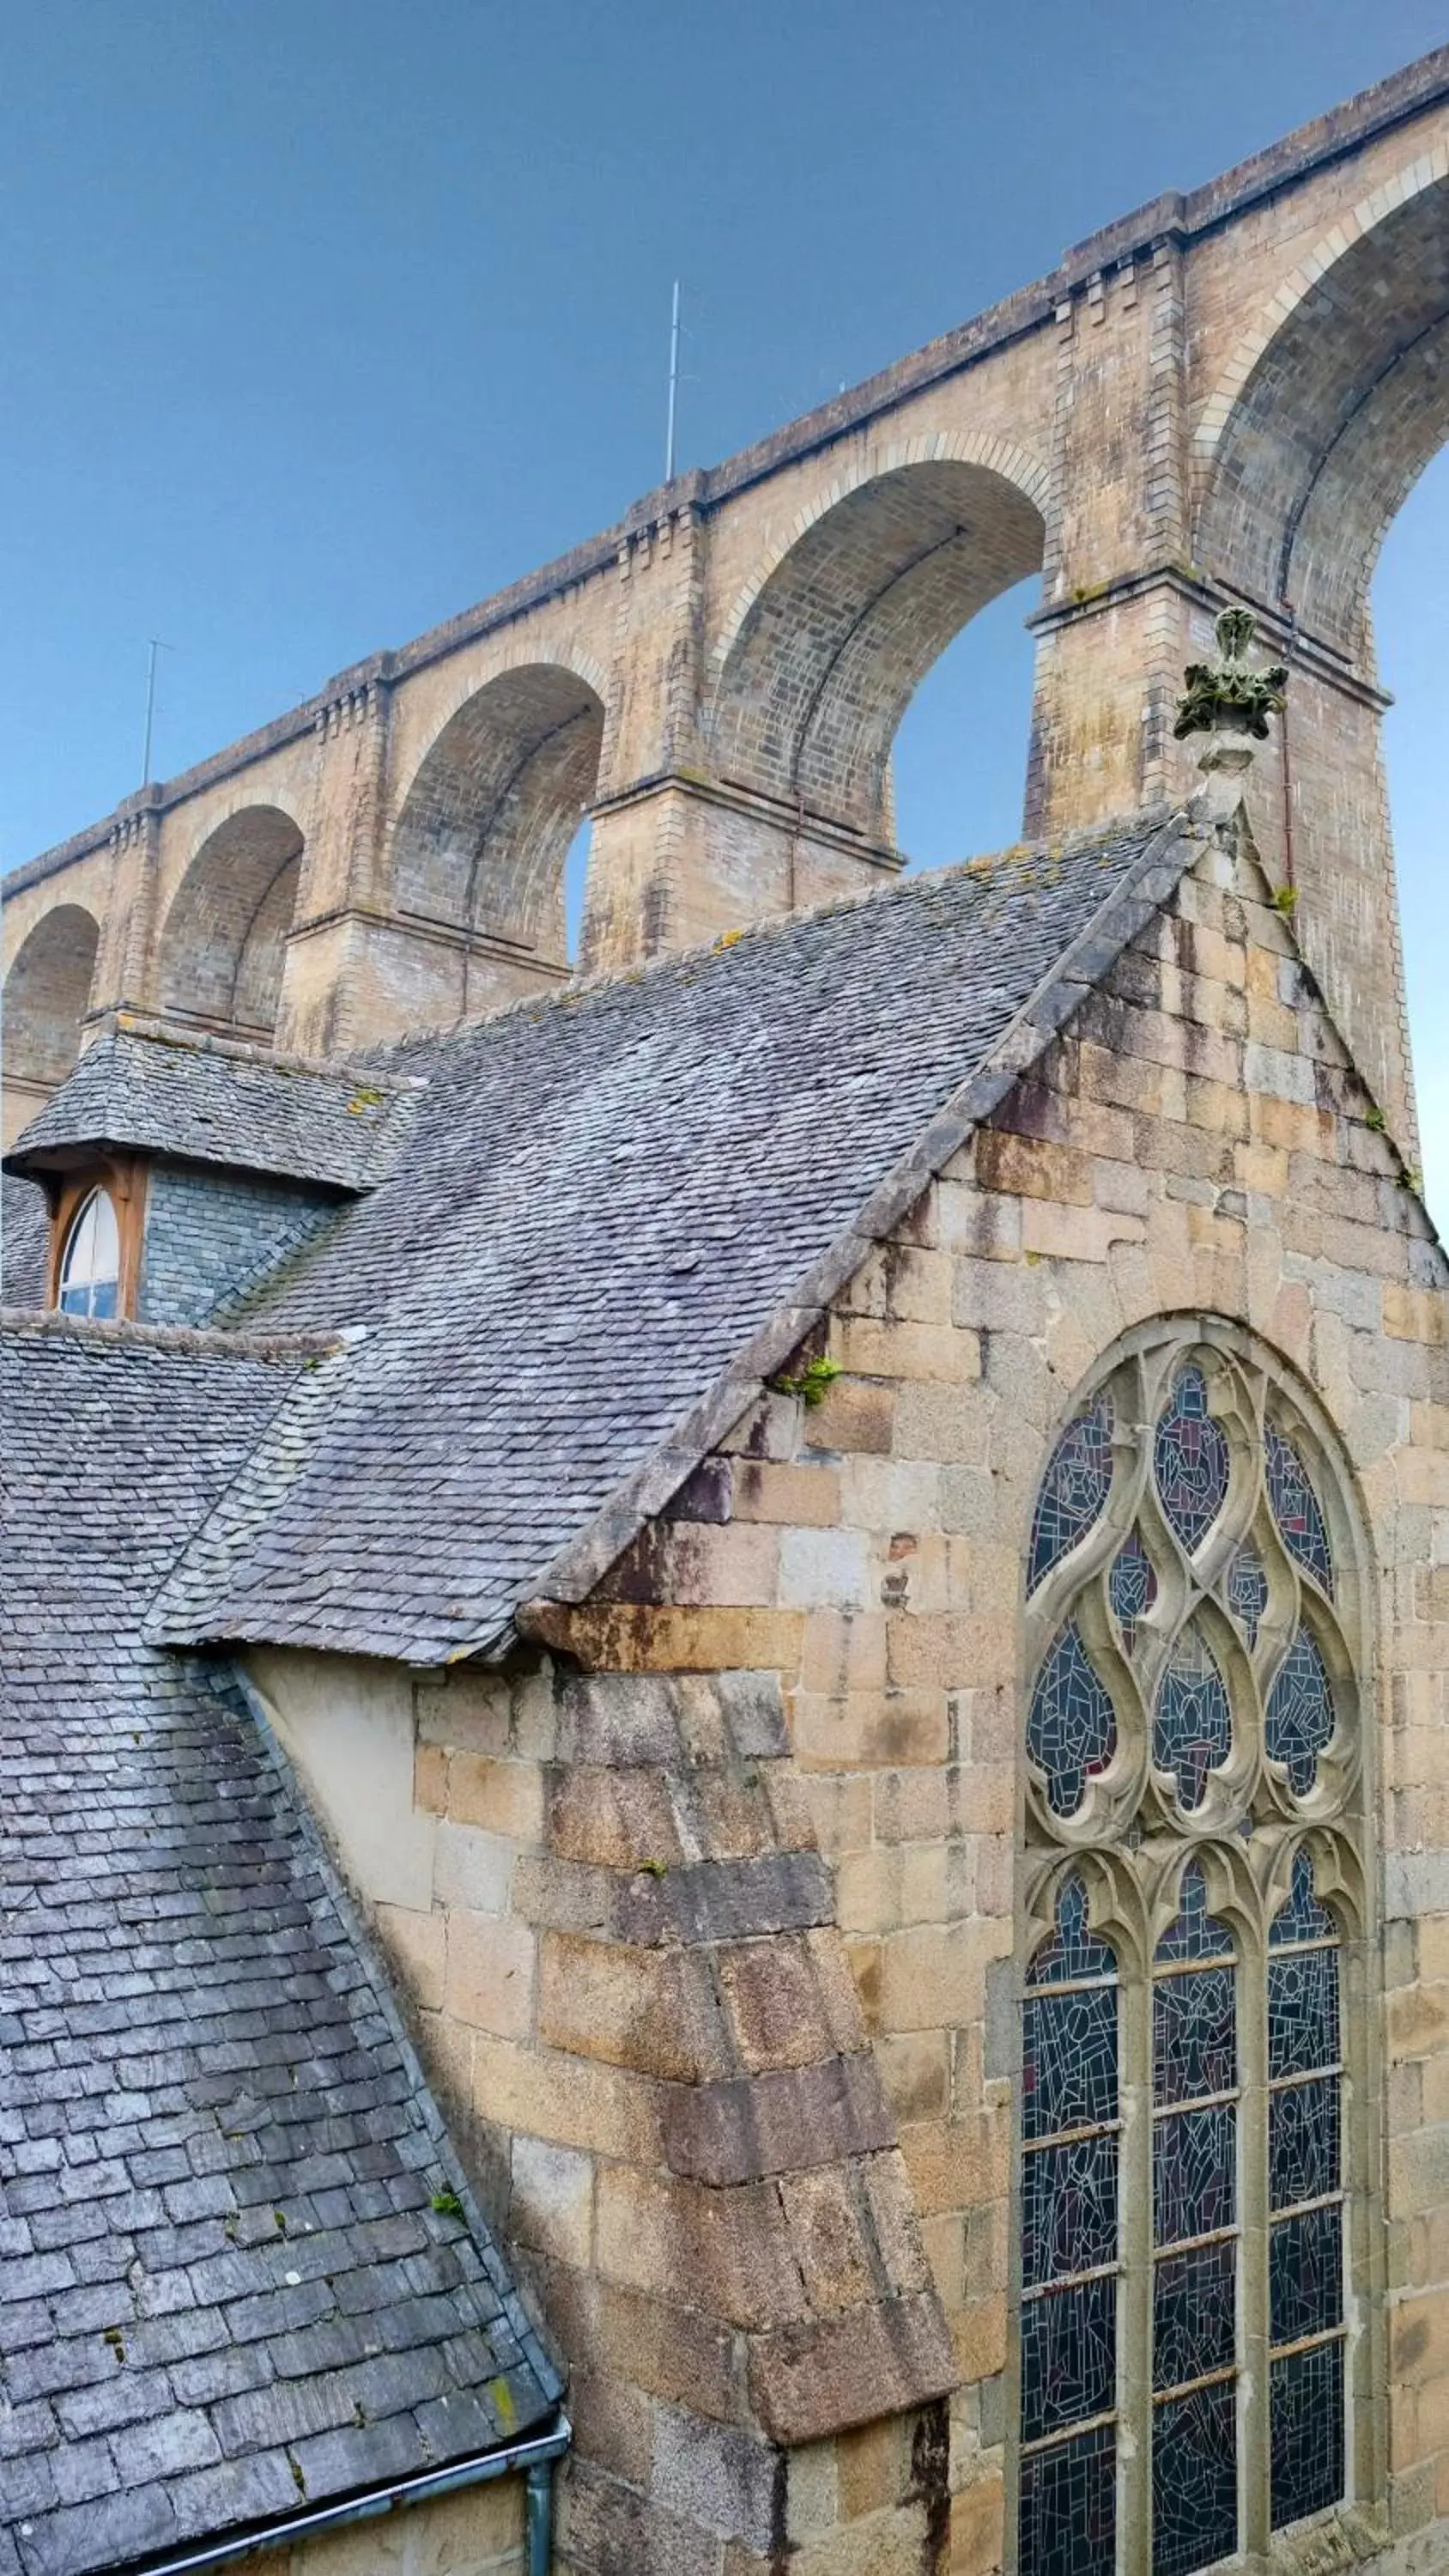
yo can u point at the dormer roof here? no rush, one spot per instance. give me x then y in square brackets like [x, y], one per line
[144, 1089]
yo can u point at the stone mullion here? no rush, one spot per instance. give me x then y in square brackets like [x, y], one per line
[1134, 2314]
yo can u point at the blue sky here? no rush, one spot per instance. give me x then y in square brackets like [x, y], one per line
[323, 318]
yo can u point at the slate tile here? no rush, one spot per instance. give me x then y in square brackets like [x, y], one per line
[107, 2531]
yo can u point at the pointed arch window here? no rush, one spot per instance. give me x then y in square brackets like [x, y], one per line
[1192, 2353]
[90, 1264]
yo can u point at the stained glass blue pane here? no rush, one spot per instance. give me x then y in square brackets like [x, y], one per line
[1131, 1588]
[1073, 1490]
[1068, 2356]
[1194, 2047]
[1303, 1918]
[1068, 2209]
[1069, 2061]
[1074, 1949]
[1194, 2480]
[1306, 2412]
[1192, 1727]
[1247, 1591]
[1302, 2011]
[1303, 2142]
[1299, 1717]
[1305, 2273]
[1193, 2173]
[1190, 1460]
[1071, 1728]
[1193, 1933]
[1194, 2326]
[1295, 1508]
[1068, 2523]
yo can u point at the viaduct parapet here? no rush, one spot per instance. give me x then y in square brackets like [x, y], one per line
[1226, 395]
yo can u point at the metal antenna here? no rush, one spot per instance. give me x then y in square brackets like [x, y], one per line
[157, 646]
[673, 386]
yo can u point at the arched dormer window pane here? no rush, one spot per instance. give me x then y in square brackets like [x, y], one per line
[91, 1264]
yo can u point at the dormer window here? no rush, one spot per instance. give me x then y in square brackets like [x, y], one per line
[90, 1266]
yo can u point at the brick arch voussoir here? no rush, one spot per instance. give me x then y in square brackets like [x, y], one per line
[537, 653]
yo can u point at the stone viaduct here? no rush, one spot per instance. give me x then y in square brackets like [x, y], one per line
[1227, 394]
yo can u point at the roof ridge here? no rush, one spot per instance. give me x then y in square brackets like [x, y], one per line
[201, 1341]
[157, 1031]
[776, 925]
[210, 1549]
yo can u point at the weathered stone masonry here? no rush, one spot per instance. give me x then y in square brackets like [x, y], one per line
[1225, 394]
[727, 1980]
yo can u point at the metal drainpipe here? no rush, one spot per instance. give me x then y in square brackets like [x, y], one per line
[540, 2516]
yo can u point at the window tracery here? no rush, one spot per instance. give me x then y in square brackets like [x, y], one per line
[1194, 1871]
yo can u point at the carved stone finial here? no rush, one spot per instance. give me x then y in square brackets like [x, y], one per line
[1227, 696]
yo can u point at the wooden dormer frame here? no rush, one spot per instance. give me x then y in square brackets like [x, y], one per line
[123, 1177]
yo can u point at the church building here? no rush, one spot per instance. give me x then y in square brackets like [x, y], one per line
[723, 1769]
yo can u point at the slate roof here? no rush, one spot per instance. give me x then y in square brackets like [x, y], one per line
[24, 1242]
[224, 2288]
[619, 1209]
[207, 1100]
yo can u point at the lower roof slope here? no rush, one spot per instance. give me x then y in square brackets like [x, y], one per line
[607, 1199]
[225, 2288]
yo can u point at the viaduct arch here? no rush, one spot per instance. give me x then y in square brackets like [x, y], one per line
[46, 995]
[223, 938]
[1226, 394]
[1329, 411]
[823, 655]
[487, 820]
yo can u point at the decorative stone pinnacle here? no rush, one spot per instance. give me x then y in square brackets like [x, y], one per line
[1227, 696]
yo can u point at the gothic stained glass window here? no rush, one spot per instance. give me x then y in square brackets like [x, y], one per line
[1141, 2429]
[1305, 2198]
[1190, 1460]
[1247, 1590]
[1072, 1729]
[1070, 2250]
[1194, 2208]
[1295, 1508]
[1073, 1491]
[1131, 1587]
[1192, 1729]
[1300, 1713]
